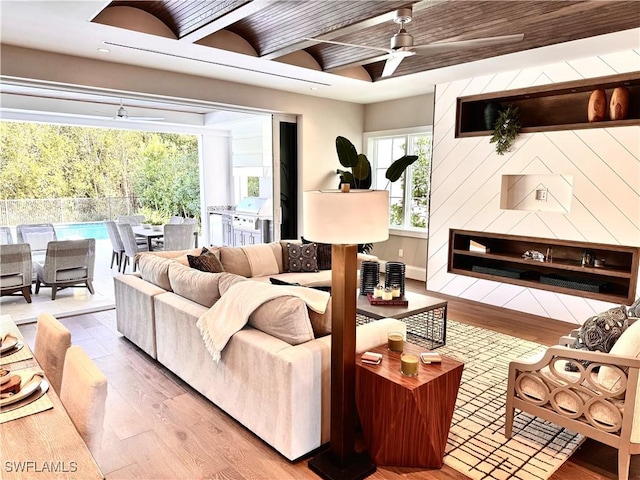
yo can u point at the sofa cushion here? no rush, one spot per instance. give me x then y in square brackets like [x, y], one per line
[324, 254]
[155, 269]
[261, 258]
[628, 345]
[235, 261]
[285, 318]
[303, 257]
[227, 279]
[197, 286]
[285, 253]
[205, 262]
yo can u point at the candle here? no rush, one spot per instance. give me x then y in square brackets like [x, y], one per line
[395, 290]
[377, 291]
[409, 365]
[395, 341]
[387, 294]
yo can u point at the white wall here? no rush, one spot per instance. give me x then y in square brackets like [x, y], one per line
[466, 181]
[321, 120]
[391, 115]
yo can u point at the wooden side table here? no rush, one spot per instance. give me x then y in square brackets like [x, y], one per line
[406, 420]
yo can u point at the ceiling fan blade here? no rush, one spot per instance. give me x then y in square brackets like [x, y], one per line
[391, 64]
[443, 47]
[387, 50]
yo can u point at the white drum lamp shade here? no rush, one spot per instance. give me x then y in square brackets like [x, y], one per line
[336, 217]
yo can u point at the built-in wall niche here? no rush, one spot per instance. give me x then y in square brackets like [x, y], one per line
[537, 193]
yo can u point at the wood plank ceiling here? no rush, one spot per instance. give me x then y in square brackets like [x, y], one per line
[275, 28]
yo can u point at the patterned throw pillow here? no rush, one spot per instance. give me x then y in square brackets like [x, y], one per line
[207, 261]
[303, 257]
[324, 254]
[599, 333]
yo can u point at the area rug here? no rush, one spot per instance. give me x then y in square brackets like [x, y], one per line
[476, 445]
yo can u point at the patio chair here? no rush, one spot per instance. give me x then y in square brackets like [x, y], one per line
[16, 270]
[68, 263]
[131, 246]
[38, 235]
[5, 236]
[176, 220]
[178, 237]
[600, 401]
[131, 219]
[116, 243]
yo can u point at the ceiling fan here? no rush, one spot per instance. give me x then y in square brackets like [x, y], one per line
[122, 114]
[401, 45]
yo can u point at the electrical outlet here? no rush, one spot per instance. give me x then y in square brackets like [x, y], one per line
[400, 253]
[541, 195]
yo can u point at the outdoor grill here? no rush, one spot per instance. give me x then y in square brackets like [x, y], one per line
[254, 215]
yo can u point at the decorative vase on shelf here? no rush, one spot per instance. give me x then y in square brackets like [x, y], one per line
[597, 109]
[619, 105]
[491, 112]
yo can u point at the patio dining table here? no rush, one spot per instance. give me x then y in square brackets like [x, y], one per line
[149, 233]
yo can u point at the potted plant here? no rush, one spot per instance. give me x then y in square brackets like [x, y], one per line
[360, 174]
[506, 129]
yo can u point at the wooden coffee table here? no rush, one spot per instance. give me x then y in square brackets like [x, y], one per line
[425, 316]
[406, 420]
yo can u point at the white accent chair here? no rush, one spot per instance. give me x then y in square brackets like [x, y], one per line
[5, 236]
[601, 401]
[51, 344]
[84, 394]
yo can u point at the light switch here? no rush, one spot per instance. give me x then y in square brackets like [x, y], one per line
[541, 194]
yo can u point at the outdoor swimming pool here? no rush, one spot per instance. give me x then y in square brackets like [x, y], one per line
[74, 231]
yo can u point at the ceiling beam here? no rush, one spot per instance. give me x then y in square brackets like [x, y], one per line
[226, 20]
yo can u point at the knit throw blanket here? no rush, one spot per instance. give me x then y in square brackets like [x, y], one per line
[231, 313]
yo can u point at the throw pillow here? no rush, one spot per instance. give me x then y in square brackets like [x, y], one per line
[285, 318]
[599, 333]
[303, 257]
[324, 254]
[206, 262]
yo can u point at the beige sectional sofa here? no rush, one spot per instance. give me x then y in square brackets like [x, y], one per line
[274, 379]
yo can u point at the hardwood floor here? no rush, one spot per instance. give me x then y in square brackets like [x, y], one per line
[157, 427]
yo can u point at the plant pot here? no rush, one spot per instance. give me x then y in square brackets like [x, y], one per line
[491, 112]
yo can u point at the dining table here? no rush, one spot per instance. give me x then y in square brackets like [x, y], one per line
[37, 437]
[149, 233]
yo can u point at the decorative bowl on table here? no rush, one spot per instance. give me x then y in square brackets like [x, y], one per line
[157, 228]
[146, 225]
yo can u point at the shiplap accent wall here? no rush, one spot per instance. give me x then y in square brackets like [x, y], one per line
[466, 183]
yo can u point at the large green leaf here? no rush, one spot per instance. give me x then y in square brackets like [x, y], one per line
[397, 168]
[363, 169]
[347, 153]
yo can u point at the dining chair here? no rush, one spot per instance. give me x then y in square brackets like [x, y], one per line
[116, 243]
[131, 246]
[52, 341]
[83, 394]
[37, 235]
[16, 270]
[5, 236]
[178, 237]
[67, 263]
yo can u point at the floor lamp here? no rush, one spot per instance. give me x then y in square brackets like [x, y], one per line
[344, 219]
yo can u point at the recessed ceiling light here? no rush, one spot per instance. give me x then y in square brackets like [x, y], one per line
[104, 50]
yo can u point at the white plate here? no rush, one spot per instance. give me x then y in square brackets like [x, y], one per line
[28, 389]
[8, 343]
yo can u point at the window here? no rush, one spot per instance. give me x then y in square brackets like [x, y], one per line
[408, 196]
